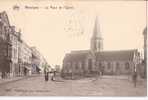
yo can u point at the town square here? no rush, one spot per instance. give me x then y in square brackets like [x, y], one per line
[103, 86]
[66, 49]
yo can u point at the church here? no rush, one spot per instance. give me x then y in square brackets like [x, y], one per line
[95, 60]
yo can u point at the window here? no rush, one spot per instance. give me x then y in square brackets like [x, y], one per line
[127, 66]
[73, 65]
[83, 65]
[76, 66]
[100, 64]
[117, 65]
[99, 45]
[109, 65]
[80, 65]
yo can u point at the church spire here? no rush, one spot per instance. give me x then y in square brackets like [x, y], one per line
[96, 40]
[96, 31]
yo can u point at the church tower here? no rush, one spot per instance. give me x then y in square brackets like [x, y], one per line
[96, 40]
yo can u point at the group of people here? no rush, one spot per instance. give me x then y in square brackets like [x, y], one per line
[50, 73]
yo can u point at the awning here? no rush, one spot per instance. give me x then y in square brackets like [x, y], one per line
[27, 67]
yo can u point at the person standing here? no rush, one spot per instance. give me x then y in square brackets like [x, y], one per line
[46, 71]
[53, 74]
[135, 78]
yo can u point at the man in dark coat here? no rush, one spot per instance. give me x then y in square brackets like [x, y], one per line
[135, 78]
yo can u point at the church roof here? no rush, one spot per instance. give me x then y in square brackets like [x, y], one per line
[116, 55]
[101, 56]
[76, 55]
[80, 51]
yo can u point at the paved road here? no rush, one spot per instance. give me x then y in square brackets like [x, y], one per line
[36, 86]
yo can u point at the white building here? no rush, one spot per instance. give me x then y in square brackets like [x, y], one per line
[38, 61]
[26, 58]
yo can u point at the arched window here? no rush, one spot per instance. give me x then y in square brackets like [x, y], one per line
[73, 66]
[80, 65]
[127, 66]
[76, 66]
[109, 65]
[117, 65]
[83, 65]
[100, 64]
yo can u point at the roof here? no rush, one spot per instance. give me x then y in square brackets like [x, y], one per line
[80, 51]
[101, 56]
[4, 18]
[116, 55]
[76, 55]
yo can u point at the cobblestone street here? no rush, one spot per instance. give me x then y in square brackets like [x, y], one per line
[36, 86]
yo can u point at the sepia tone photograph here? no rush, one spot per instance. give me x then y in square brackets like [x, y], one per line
[73, 48]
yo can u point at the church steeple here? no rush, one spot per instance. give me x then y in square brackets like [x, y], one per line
[96, 40]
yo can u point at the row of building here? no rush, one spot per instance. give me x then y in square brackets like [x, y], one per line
[17, 58]
[96, 60]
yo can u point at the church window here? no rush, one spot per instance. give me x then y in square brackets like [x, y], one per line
[100, 64]
[83, 63]
[127, 66]
[73, 65]
[109, 65]
[80, 65]
[99, 45]
[117, 65]
[76, 65]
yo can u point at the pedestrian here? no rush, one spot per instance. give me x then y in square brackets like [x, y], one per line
[46, 73]
[46, 76]
[2, 75]
[53, 74]
[100, 73]
[52, 77]
[135, 78]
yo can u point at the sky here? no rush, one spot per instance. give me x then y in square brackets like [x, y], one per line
[55, 32]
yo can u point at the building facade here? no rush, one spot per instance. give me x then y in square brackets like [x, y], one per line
[9, 45]
[96, 60]
[26, 59]
[37, 61]
[4, 57]
[16, 57]
[13, 51]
